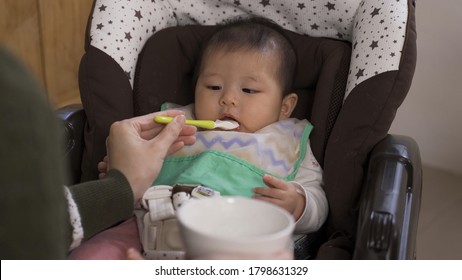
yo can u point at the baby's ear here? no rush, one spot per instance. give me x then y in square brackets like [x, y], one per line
[288, 105]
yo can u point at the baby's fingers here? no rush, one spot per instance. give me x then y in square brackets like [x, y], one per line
[274, 182]
[264, 196]
[102, 166]
[268, 194]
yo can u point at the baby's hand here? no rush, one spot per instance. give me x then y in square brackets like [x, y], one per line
[281, 193]
[102, 168]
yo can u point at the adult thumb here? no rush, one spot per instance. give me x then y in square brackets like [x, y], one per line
[169, 134]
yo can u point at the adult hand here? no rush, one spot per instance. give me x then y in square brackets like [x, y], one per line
[137, 147]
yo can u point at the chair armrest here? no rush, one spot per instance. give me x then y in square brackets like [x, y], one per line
[390, 203]
[73, 118]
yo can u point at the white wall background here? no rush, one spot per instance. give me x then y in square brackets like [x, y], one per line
[432, 111]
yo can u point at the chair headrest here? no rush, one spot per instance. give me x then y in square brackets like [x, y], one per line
[376, 29]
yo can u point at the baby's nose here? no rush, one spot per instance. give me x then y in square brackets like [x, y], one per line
[229, 97]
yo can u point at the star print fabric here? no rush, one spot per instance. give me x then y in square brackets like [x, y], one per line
[375, 28]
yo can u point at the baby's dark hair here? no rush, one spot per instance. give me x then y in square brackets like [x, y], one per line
[260, 34]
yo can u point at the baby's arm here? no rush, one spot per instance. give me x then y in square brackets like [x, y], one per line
[304, 197]
[309, 182]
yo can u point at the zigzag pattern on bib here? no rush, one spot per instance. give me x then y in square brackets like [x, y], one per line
[274, 148]
[221, 144]
[218, 140]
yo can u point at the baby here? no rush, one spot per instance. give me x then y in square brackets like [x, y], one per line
[246, 74]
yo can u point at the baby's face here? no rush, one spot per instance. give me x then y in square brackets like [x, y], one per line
[239, 85]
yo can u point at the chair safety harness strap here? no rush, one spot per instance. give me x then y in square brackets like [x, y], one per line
[156, 218]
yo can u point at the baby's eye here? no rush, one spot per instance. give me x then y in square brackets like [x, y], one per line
[248, 90]
[214, 87]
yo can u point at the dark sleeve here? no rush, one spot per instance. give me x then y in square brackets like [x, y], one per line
[33, 210]
[97, 205]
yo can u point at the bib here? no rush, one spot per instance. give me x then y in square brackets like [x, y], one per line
[233, 163]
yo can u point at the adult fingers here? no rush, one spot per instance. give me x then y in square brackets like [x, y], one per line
[164, 140]
[186, 135]
[147, 122]
[175, 147]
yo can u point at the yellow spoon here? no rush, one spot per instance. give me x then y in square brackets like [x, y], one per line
[207, 124]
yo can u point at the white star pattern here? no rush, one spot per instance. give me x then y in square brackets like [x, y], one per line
[357, 21]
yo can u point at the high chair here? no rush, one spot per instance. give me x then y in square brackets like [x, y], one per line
[356, 61]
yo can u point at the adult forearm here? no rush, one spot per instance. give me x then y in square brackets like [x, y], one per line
[98, 205]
